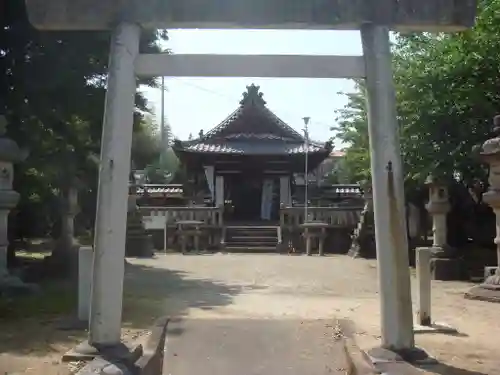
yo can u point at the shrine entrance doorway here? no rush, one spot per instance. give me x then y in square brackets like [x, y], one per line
[245, 196]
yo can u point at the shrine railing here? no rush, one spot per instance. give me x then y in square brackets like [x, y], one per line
[165, 217]
[336, 217]
[338, 225]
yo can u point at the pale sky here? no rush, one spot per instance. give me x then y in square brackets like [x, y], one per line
[192, 104]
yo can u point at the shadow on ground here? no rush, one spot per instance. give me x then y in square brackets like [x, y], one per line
[444, 369]
[30, 324]
[150, 292]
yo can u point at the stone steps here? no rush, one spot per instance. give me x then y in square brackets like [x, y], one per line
[251, 249]
[252, 239]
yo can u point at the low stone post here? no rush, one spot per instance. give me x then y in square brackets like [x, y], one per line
[423, 265]
[85, 257]
[424, 321]
[489, 290]
[444, 264]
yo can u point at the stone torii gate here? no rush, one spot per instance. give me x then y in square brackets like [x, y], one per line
[373, 17]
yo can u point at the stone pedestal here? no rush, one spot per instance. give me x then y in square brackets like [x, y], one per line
[446, 268]
[490, 154]
[138, 242]
[444, 262]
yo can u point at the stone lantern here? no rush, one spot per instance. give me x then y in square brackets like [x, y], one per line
[10, 153]
[67, 245]
[444, 264]
[489, 290]
[438, 207]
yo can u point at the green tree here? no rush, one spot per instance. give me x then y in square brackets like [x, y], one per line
[146, 143]
[447, 93]
[352, 129]
[52, 88]
[160, 162]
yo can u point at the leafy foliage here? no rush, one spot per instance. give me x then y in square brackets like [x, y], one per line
[447, 93]
[352, 129]
[52, 88]
[162, 167]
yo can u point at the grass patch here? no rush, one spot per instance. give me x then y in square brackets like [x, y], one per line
[29, 323]
[55, 299]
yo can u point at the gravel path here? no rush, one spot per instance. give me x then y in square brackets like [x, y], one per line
[294, 287]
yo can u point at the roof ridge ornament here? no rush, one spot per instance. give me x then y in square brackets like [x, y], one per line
[253, 96]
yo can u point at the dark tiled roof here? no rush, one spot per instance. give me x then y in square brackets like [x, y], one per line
[259, 136]
[252, 148]
[251, 129]
[250, 116]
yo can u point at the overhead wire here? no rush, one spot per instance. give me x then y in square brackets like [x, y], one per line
[231, 99]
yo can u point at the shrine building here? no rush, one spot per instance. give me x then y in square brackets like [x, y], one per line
[247, 163]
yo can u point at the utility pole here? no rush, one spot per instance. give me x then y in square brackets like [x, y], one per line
[306, 179]
[163, 131]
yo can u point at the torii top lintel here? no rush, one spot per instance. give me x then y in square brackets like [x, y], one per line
[405, 15]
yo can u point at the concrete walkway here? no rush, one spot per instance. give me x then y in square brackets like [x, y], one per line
[255, 347]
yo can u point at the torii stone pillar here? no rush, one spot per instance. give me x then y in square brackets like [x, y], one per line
[112, 197]
[388, 193]
[444, 264]
[489, 290]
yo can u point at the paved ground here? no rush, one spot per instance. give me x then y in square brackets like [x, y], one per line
[293, 288]
[256, 347]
